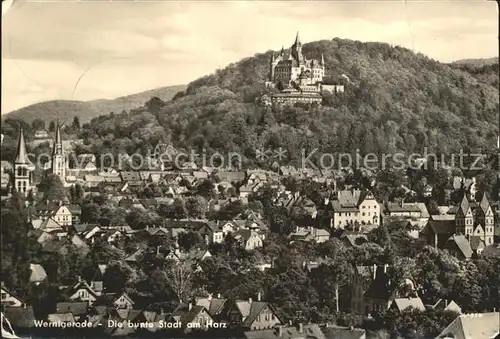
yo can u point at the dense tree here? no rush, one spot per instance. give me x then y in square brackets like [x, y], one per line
[53, 188]
[76, 123]
[196, 207]
[52, 126]
[38, 124]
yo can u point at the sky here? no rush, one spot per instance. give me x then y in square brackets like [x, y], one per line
[103, 49]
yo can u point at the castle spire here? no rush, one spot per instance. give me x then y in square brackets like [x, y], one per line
[21, 157]
[282, 51]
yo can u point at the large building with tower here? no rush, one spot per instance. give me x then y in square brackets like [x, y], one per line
[22, 168]
[298, 79]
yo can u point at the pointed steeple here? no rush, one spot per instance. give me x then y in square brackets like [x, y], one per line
[282, 51]
[58, 139]
[485, 204]
[464, 204]
[297, 39]
[21, 157]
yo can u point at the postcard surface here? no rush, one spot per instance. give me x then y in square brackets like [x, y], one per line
[250, 169]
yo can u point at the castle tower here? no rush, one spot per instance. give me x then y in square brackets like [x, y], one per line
[58, 157]
[22, 167]
[273, 64]
[297, 50]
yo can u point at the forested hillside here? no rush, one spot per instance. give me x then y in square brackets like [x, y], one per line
[66, 110]
[394, 100]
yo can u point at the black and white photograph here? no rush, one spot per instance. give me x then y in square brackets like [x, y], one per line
[250, 169]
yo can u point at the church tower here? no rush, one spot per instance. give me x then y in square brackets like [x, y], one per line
[58, 157]
[22, 167]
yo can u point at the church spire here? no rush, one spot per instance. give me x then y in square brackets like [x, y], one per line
[297, 39]
[57, 149]
[21, 157]
[58, 139]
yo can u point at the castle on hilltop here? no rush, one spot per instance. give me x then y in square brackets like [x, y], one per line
[295, 67]
[297, 78]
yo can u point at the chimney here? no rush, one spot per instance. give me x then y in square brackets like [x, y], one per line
[301, 328]
[259, 296]
[374, 271]
[249, 300]
[290, 322]
[218, 295]
[210, 296]
[190, 306]
[445, 302]
[157, 250]
[385, 268]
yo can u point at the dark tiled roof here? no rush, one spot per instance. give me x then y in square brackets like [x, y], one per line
[462, 244]
[76, 307]
[20, 317]
[310, 331]
[337, 332]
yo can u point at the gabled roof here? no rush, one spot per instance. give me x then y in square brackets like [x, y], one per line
[404, 303]
[250, 309]
[446, 226]
[130, 176]
[190, 315]
[213, 305]
[476, 243]
[83, 284]
[309, 331]
[38, 273]
[339, 332]
[230, 176]
[468, 326]
[462, 244]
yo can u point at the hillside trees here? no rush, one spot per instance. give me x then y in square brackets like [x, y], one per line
[386, 108]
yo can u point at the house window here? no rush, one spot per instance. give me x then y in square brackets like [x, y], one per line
[363, 214]
[4, 296]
